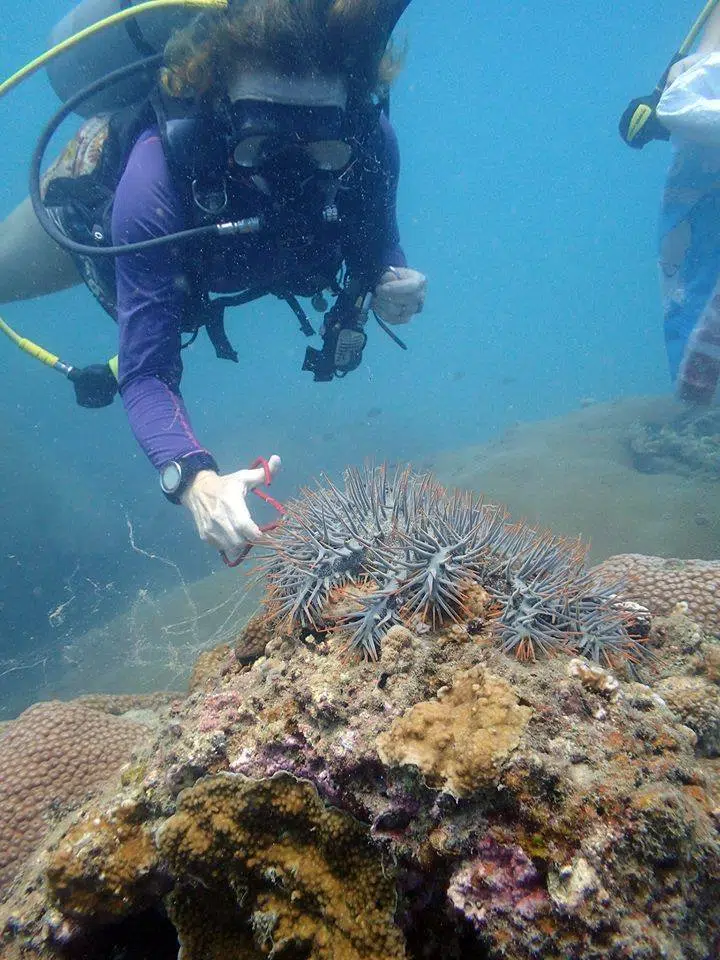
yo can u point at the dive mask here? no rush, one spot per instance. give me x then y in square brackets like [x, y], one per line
[263, 132]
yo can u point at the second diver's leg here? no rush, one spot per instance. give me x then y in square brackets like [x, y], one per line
[31, 263]
[690, 267]
[678, 316]
[699, 371]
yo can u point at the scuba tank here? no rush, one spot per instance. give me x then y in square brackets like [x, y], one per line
[117, 46]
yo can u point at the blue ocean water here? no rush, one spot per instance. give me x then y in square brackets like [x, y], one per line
[534, 223]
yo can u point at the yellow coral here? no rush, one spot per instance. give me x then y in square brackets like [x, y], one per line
[458, 740]
[105, 867]
[266, 864]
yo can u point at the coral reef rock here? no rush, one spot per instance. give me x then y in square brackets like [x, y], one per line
[316, 804]
[688, 444]
[444, 800]
[499, 885]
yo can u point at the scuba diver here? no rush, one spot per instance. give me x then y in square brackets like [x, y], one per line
[261, 161]
[689, 109]
[685, 109]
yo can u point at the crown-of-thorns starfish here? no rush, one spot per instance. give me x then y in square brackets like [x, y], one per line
[414, 551]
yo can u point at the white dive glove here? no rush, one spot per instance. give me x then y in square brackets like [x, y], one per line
[220, 511]
[399, 294]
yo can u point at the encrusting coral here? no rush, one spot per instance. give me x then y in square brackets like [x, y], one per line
[106, 866]
[697, 702]
[445, 800]
[459, 739]
[255, 636]
[268, 856]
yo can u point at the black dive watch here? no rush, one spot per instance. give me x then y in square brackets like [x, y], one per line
[177, 475]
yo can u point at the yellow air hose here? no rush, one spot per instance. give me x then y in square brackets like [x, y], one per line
[34, 349]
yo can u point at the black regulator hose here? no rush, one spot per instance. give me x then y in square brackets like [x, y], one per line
[44, 218]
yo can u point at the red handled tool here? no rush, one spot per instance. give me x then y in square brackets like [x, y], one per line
[264, 495]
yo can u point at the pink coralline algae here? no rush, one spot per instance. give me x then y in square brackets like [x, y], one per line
[220, 711]
[499, 882]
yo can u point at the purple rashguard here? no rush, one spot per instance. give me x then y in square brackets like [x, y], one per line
[152, 293]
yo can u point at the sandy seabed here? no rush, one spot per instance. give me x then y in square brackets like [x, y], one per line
[575, 475]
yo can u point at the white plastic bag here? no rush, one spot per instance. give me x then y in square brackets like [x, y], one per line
[690, 106]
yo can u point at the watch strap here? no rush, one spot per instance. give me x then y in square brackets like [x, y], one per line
[189, 467]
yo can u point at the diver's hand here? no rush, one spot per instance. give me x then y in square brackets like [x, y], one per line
[399, 294]
[220, 511]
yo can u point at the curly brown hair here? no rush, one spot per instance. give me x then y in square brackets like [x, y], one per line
[346, 38]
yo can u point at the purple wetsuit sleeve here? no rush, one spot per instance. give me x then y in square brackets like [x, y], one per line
[150, 304]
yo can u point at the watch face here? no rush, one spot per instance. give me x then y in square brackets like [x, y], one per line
[170, 477]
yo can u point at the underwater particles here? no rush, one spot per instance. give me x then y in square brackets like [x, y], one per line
[397, 548]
